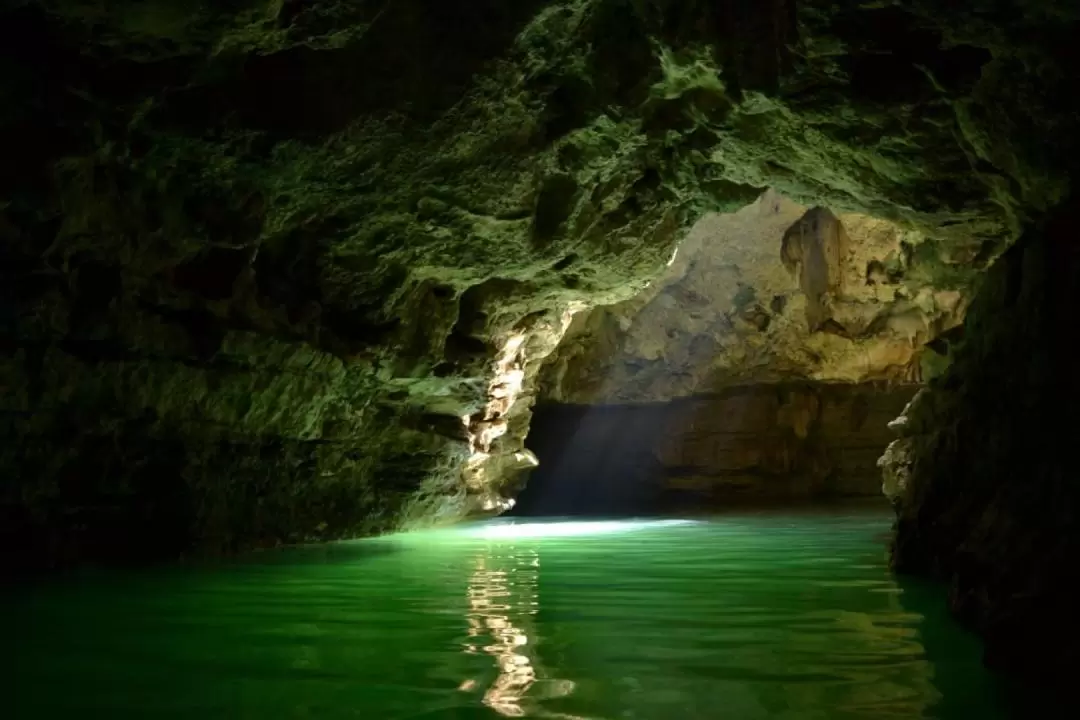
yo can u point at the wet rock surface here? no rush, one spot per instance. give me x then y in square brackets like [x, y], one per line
[752, 444]
[279, 271]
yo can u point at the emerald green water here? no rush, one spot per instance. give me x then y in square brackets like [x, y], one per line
[770, 615]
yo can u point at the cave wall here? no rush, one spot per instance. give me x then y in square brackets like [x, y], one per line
[983, 475]
[277, 271]
[749, 298]
[756, 444]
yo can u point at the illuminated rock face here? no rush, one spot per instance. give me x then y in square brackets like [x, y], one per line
[774, 292]
[262, 260]
[815, 249]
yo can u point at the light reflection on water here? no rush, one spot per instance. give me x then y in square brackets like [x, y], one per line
[494, 595]
[754, 616]
[503, 598]
[876, 669]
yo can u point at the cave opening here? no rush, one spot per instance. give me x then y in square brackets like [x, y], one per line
[763, 367]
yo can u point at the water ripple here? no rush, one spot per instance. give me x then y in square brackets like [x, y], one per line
[753, 616]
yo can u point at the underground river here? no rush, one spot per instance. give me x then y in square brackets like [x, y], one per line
[777, 614]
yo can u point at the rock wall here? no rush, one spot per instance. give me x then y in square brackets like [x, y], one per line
[760, 443]
[983, 476]
[775, 292]
[279, 270]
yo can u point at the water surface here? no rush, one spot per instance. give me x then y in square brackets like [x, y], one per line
[757, 615]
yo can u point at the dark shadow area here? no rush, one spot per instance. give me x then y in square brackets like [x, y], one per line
[313, 92]
[949, 647]
[994, 514]
[595, 461]
[138, 574]
[749, 446]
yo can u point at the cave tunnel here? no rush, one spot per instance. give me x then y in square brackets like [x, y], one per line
[724, 384]
[539, 358]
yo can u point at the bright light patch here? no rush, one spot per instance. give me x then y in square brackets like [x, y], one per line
[501, 504]
[566, 529]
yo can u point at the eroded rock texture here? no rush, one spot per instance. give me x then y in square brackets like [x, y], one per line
[814, 249]
[776, 292]
[751, 444]
[261, 258]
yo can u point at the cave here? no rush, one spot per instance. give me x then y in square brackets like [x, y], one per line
[744, 374]
[547, 358]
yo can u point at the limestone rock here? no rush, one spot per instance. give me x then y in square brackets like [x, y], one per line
[896, 461]
[814, 249]
[774, 292]
[895, 464]
[260, 259]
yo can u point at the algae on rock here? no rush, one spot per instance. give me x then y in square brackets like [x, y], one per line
[259, 259]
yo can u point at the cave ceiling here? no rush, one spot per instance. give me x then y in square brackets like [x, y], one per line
[289, 265]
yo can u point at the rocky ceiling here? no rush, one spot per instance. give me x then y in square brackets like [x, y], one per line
[275, 270]
[776, 292]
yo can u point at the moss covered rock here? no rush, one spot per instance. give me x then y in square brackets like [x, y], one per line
[260, 259]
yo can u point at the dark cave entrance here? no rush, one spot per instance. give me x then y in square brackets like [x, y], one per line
[752, 445]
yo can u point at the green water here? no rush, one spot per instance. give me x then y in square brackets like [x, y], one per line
[767, 615]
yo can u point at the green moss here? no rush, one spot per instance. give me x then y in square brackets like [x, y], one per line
[233, 222]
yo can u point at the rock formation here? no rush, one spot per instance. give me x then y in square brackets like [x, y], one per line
[273, 271]
[814, 249]
[772, 293]
[982, 472]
